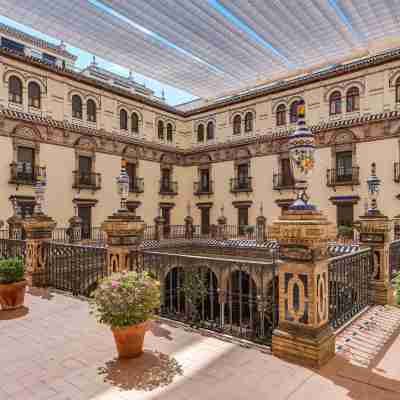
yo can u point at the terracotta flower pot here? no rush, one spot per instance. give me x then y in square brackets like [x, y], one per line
[12, 295]
[129, 340]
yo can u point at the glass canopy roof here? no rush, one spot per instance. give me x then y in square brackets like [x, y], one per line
[214, 47]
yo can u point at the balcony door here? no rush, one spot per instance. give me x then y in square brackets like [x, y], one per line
[85, 212]
[166, 214]
[344, 166]
[165, 179]
[26, 163]
[286, 171]
[205, 220]
[205, 181]
[345, 215]
[85, 170]
[243, 219]
[243, 176]
[131, 171]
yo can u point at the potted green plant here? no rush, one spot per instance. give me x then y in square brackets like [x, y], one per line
[12, 283]
[125, 302]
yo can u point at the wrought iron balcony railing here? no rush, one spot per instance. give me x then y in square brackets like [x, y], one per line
[396, 176]
[168, 187]
[22, 173]
[136, 185]
[282, 181]
[203, 188]
[343, 176]
[86, 180]
[242, 184]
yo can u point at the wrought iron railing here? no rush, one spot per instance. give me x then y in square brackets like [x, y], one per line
[24, 173]
[86, 180]
[12, 248]
[238, 299]
[90, 235]
[349, 285]
[343, 176]
[168, 187]
[73, 268]
[136, 185]
[282, 181]
[243, 184]
[201, 188]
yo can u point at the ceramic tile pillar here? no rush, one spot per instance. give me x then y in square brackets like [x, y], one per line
[124, 235]
[189, 227]
[75, 229]
[38, 229]
[303, 334]
[374, 229]
[159, 224]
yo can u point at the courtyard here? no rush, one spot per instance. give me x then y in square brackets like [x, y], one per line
[53, 349]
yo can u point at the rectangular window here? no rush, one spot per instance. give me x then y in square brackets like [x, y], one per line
[243, 219]
[12, 45]
[85, 170]
[205, 221]
[26, 163]
[243, 176]
[345, 214]
[85, 212]
[344, 166]
[166, 214]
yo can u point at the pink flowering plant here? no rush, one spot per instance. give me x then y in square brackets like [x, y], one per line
[126, 299]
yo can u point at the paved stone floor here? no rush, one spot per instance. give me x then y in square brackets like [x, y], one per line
[53, 349]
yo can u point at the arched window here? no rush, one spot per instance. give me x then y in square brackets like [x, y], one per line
[91, 110]
[160, 128]
[15, 90]
[123, 120]
[76, 107]
[397, 87]
[237, 125]
[200, 133]
[353, 99]
[169, 132]
[34, 95]
[281, 115]
[293, 111]
[210, 131]
[134, 123]
[335, 103]
[248, 122]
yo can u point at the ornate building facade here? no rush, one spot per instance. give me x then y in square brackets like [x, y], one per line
[229, 153]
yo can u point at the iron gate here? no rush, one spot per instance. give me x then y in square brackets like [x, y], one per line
[234, 296]
[73, 268]
[349, 285]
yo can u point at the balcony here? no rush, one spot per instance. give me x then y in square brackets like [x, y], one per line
[396, 176]
[203, 188]
[22, 173]
[168, 188]
[136, 185]
[86, 180]
[283, 182]
[242, 184]
[343, 177]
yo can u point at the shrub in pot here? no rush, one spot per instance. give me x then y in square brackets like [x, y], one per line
[12, 283]
[125, 302]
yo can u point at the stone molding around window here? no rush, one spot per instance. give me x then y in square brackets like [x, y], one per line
[242, 204]
[337, 200]
[85, 202]
[204, 205]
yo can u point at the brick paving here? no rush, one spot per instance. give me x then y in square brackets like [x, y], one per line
[53, 349]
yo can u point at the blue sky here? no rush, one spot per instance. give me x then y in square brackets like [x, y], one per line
[173, 96]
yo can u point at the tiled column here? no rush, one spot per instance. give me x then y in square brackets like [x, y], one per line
[38, 228]
[303, 334]
[189, 228]
[222, 227]
[124, 234]
[374, 230]
[75, 229]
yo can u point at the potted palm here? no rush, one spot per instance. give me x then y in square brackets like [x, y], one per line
[125, 302]
[12, 283]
